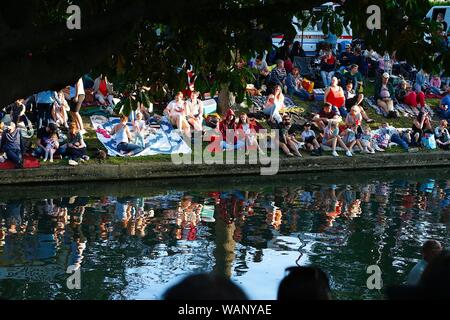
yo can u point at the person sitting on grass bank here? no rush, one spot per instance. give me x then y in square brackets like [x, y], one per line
[103, 91]
[75, 148]
[332, 138]
[395, 137]
[294, 86]
[228, 131]
[43, 135]
[311, 143]
[287, 141]
[122, 136]
[247, 134]
[352, 99]
[421, 125]
[195, 116]
[334, 95]
[12, 144]
[442, 135]
[406, 95]
[274, 105]
[384, 94]
[17, 113]
[327, 114]
[443, 110]
[177, 111]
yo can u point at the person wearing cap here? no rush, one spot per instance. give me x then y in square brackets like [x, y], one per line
[384, 94]
[311, 143]
[43, 134]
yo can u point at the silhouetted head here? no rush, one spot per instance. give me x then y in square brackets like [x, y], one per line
[304, 283]
[205, 287]
[431, 249]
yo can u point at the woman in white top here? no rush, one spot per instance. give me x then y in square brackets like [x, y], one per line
[122, 136]
[76, 105]
[195, 116]
[274, 104]
[177, 111]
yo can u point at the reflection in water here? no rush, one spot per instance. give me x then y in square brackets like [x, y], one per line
[130, 247]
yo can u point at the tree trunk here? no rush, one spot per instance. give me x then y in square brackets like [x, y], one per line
[226, 99]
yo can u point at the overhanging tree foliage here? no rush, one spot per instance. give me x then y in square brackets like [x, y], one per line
[146, 42]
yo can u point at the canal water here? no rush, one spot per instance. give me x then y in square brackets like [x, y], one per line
[133, 240]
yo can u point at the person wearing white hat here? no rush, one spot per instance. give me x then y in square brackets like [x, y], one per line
[384, 93]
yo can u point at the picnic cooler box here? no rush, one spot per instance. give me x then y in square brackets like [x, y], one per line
[319, 94]
[209, 106]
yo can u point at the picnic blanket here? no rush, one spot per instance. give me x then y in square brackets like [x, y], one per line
[260, 101]
[29, 162]
[403, 109]
[162, 141]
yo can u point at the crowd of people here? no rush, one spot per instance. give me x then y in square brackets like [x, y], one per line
[342, 123]
[54, 119]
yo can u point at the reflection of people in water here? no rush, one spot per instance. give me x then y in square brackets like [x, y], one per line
[188, 218]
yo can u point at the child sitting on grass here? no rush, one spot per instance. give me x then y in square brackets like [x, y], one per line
[311, 143]
[367, 140]
[51, 145]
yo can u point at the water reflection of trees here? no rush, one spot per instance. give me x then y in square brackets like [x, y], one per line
[341, 228]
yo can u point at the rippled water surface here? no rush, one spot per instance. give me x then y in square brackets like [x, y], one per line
[133, 242]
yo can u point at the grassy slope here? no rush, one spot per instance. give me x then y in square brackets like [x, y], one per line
[94, 144]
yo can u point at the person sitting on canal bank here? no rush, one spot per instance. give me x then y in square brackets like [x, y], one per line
[12, 144]
[430, 250]
[122, 136]
[287, 141]
[229, 135]
[103, 91]
[353, 76]
[51, 146]
[327, 68]
[367, 141]
[294, 86]
[177, 111]
[406, 95]
[442, 135]
[43, 135]
[327, 114]
[195, 116]
[444, 107]
[351, 137]
[247, 134]
[395, 137]
[274, 105]
[384, 94]
[59, 111]
[332, 138]
[75, 147]
[277, 77]
[352, 99]
[421, 125]
[334, 95]
[311, 143]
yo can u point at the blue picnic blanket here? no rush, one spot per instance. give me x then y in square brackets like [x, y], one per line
[165, 140]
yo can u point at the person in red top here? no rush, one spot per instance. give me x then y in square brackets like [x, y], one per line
[247, 133]
[334, 95]
[103, 90]
[228, 127]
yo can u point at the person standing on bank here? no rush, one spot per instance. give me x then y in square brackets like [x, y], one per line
[76, 105]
